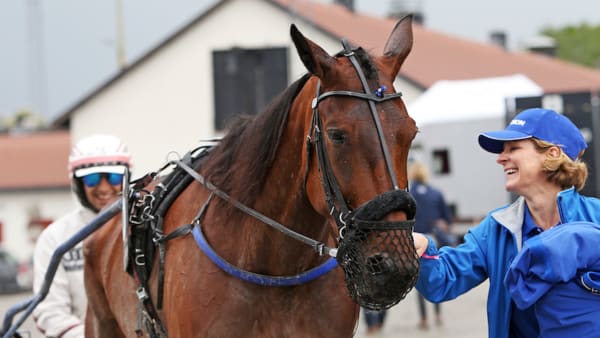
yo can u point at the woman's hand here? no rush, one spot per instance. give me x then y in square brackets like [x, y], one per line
[421, 243]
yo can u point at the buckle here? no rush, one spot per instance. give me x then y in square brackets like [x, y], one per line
[583, 283]
[141, 293]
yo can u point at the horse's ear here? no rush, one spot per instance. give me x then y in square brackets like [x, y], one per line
[399, 43]
[316, 60]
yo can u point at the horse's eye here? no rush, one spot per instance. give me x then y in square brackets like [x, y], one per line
[336, 135]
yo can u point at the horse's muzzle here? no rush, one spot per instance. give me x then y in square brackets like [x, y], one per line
[378, 257]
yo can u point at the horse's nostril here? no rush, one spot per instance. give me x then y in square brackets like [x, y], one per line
[379, 264]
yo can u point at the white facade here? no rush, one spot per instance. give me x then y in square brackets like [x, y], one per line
[18, 208]
[166, 103]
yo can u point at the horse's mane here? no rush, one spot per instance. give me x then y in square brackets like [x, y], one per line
[241, 161]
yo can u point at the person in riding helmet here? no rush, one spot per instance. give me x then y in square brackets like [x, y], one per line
[97, 167]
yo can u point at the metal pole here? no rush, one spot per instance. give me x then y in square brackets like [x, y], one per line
[121, 57]
[36, 72]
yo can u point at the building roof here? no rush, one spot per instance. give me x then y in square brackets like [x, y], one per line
[35, 161]
[459, 100]
[435, 56]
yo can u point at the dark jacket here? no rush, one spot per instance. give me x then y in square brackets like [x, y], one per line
[431, 207]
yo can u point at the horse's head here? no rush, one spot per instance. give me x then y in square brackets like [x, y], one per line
[356, 157]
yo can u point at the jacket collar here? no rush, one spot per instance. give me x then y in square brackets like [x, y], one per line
[565, 198]
[511, 217]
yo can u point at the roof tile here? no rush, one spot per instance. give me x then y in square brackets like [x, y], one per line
[437, 56]
[37, 160]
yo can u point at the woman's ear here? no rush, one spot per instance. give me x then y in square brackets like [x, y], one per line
[554, 151]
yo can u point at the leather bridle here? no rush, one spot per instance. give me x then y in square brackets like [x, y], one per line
[336, 203]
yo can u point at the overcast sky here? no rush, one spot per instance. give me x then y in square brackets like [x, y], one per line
[54, 52]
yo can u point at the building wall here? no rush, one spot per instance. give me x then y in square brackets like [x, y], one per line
[18, 208]
[167, 104]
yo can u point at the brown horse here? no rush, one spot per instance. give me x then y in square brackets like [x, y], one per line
[356, 151]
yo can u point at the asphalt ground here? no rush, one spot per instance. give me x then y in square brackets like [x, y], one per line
[464, 317]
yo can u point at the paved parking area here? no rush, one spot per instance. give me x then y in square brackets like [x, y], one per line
[7, 301]
[464, 317]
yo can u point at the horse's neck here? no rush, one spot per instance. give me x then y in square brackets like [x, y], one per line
[283, 197]
[284, 194]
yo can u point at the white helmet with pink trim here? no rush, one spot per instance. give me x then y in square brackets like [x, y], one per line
[99, 153]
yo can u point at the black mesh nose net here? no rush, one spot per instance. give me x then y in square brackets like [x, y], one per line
[378, 257]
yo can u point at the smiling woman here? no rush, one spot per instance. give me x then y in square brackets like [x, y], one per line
[540, 153]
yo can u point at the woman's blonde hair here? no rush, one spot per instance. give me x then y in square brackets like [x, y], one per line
[418, 172]
[562, 170]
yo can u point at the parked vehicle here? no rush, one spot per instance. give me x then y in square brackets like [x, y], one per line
[14, 276]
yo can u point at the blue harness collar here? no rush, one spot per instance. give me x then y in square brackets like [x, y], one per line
[264, 280]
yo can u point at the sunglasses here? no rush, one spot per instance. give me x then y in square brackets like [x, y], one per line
[94, 179]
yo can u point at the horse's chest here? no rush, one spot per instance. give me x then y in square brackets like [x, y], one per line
[266, 319]
[281, 326]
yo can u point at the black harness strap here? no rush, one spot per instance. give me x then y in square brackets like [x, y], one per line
[146, 220]
[332, 189]
[147, 314]
[382, 142]
[319, 247]
[364, 96]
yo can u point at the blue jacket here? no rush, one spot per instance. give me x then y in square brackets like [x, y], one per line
[549, 271]
[487, 252]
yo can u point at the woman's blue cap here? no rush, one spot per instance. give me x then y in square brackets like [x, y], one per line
[543, 124]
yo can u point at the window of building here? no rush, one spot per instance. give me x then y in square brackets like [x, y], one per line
[245, 80]
[441, 162]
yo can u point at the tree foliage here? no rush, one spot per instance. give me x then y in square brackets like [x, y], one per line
[23, 120]
[579, 44]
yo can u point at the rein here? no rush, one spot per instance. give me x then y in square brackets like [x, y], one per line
[319, 247]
